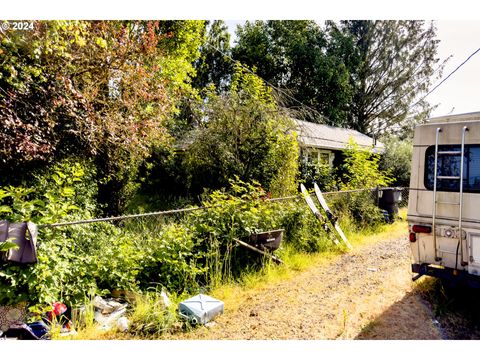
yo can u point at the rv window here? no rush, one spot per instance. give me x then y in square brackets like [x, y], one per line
[449, 165]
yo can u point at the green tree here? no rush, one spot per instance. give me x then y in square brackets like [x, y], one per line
[213, 67]
[361, 169]
[397, 158]
[391, 63]
[242, 134]
[102, 89]
[295, 56]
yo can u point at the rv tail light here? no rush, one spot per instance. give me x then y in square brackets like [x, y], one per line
[421, 229]
[412, 237]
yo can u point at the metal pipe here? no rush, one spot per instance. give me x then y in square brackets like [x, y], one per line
[434, 207]
[460, 212]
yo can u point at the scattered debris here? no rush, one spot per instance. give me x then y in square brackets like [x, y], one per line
[57, 310]
[107, 306]
[166, 300]
[109, 312]
[123, 324]
[11, 314]
[273, 257]
[39, 328]
[200, 309]
[20, 331]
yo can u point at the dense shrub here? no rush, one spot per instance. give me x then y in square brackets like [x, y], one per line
[302, 230]
[397, 159]
[59, 191]
[102, 90]
[242, 134]
[321, 174]
[180, 255]
[171, 258]
[90, 258]
[360, 171]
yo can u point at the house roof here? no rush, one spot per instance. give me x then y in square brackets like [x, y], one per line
[330, 137]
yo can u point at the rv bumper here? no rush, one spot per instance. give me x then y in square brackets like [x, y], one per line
[460, 276]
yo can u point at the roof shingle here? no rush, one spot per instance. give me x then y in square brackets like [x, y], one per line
[331, 137]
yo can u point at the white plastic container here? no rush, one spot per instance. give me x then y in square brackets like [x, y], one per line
[200, 309]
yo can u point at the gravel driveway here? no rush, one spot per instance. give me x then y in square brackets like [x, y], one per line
[364, 294]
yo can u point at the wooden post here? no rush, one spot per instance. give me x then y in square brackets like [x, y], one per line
[253, 248]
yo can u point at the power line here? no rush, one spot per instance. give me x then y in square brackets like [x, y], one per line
[436, 87]
[323, 116]
[453, 72]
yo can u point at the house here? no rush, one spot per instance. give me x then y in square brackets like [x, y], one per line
[324, 143]
[318, 142]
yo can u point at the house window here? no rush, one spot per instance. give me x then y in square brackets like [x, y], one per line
[311, 156]
[449, 165]
[324, 158]
[316, 156]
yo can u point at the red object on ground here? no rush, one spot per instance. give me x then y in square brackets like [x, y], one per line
[58, 309]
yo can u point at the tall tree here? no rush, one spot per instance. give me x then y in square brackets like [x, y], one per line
[391, 64]
[93, 88]
[294, 56]
[214, 66]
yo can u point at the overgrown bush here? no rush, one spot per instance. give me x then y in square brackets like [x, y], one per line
[179, 255]
[230, 215]
[89, 258]
[361, 171]
[243, 210]
[60, 190]
[302, 230]
[171, 258]
[321, 174]
[60, 96]
[397, 159]
[242, 133]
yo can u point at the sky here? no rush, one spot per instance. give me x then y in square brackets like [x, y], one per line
[458, 39]
[460, 93]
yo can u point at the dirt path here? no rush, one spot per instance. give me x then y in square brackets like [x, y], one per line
[365, 294]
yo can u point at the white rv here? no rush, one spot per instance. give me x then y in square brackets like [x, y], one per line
[444, 198]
